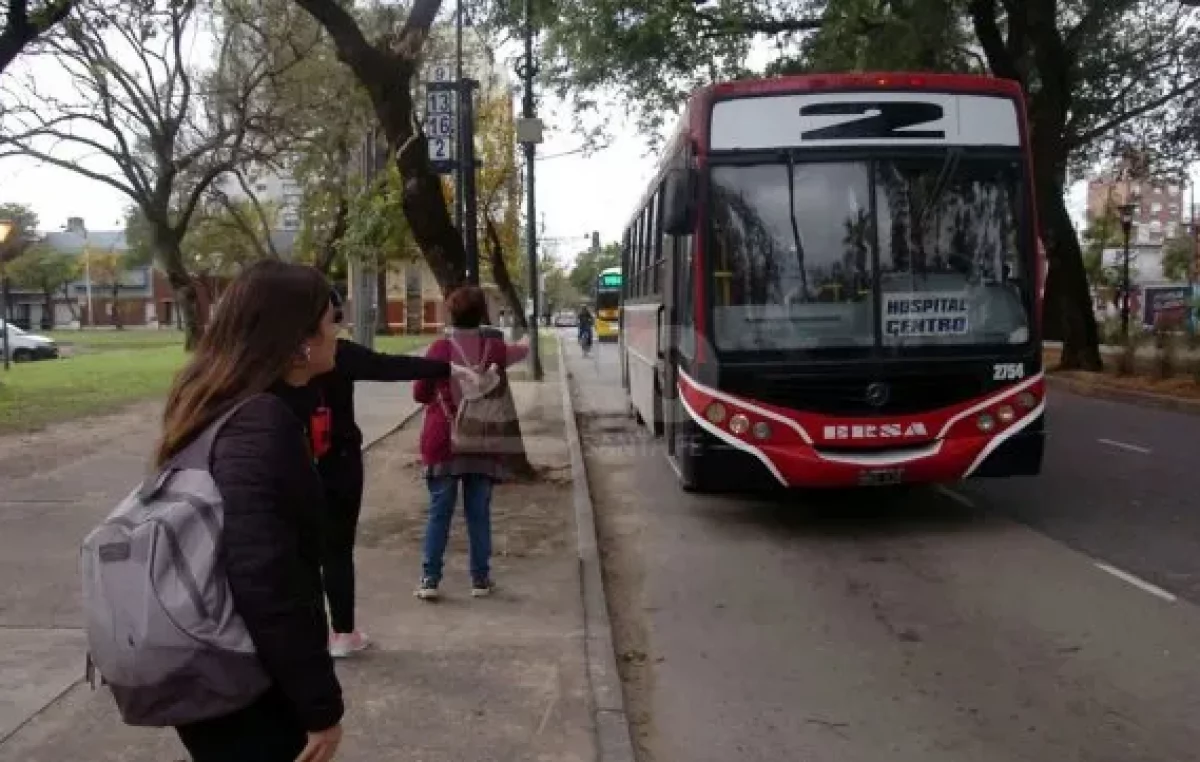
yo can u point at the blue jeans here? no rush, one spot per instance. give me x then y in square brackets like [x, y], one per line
[477, 505]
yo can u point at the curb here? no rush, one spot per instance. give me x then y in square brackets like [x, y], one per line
[367, 445]
[1129, 396]
[613, 741]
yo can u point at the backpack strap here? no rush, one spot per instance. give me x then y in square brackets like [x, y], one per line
[196, 454]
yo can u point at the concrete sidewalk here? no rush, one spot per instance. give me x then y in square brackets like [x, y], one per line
[55, 485]
[462, 680]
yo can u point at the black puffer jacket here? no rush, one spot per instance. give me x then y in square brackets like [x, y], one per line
[271, 542]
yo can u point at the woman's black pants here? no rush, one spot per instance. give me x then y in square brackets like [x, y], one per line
[342, 474]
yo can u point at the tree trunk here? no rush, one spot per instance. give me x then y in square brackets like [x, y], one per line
[48, 306]
[167, 251]
[1068, 312]
[503, 280]
[66, 292]
[382, 328]
[518, 460]
[328, 251]
[118, 323]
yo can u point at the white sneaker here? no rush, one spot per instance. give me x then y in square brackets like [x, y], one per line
[342, 645]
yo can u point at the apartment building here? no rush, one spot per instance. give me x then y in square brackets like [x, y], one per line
[1161, 207]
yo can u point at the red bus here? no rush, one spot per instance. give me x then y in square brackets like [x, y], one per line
[835, 280]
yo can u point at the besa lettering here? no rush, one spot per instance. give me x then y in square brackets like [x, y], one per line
[877, 431]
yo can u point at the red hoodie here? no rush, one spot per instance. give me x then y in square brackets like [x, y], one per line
[435, 433]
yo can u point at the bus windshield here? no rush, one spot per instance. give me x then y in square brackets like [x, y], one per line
[796, 249]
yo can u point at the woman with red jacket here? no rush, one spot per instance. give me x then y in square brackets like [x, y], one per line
[445, 471]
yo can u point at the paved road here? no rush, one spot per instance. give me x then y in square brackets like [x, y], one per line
[1121, 483]
[927, 628]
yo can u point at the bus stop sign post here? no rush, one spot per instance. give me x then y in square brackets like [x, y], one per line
[529, 134]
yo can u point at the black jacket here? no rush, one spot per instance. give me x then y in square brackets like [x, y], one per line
[271, 545]
[355, 362]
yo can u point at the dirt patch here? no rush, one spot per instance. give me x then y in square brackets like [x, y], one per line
[620, 526]
[529, 520]
[1182, 384]
[134, 430]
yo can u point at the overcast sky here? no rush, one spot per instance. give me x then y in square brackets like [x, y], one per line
[576, 194]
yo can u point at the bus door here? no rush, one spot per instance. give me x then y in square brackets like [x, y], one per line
[673, 281]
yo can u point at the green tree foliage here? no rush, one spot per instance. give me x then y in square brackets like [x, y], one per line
[385, 67]
[377, 230]
[1178, 256]
[25, 224]
[1101, 77]
[223, 238]
[327, 114]
[589, 263]
[43, 269]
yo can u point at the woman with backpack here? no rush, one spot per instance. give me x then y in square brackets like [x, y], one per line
[273, 332]
[340, 463]
[445, 470]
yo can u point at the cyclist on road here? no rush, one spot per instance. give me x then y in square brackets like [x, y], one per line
[586, 325]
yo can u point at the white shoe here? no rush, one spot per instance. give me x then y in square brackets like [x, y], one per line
[342, 645]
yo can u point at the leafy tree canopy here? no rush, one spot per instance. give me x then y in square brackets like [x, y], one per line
[1102, 78]
[589, 263]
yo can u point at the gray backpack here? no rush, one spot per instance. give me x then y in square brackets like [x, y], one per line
[161, 627]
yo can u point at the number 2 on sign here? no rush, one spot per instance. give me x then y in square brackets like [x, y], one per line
[440, 148]
[1008, 371]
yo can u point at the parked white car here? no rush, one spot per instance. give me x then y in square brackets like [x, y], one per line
[25, 346]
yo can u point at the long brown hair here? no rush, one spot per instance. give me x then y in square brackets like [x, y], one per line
[260, 324]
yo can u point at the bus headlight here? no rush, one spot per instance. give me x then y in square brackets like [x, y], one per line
[739, 424]
[762, 430]
[1006, 414]
[985, 422]
[715, 413]
[1027, 400]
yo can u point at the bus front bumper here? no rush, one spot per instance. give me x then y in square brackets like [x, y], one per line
[947, 461]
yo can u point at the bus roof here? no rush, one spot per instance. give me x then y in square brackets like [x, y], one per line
[693, 123]
[952, 83]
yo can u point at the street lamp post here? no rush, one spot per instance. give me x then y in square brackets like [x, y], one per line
[529, 134]
[6, 228]
[1126, 215]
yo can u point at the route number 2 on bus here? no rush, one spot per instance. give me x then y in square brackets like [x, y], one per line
[1008, 371]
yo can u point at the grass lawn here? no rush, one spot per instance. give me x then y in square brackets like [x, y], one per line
[107, 340]
[108, 370]
[401, 345]
[34, 394]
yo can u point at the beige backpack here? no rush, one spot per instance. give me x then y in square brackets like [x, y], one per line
[478, 426]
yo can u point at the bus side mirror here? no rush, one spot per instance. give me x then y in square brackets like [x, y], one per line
[678, 206]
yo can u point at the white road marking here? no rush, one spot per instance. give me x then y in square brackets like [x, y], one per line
[674, 466]
[957, 497]
[1125, 446]
[1137, 582]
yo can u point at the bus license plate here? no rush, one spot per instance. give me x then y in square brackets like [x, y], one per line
[880, 477]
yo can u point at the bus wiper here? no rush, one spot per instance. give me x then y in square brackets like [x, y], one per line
[791, 182]
[948, 168]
